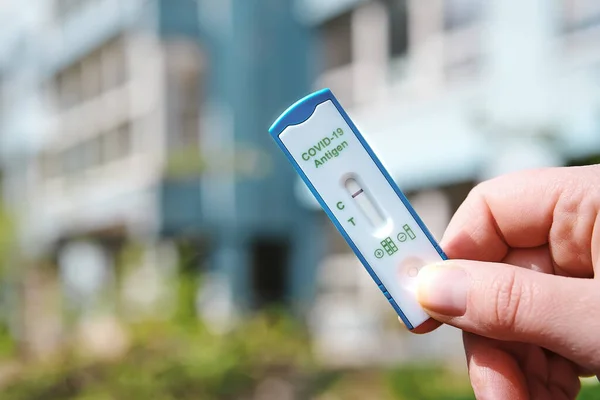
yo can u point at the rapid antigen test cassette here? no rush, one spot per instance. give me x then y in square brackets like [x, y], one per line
[360, 198]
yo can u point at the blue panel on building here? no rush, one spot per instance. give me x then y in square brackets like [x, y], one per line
[178, 18]
[180, 205]
[261, 62]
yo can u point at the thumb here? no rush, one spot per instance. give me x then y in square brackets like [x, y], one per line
[509, 303]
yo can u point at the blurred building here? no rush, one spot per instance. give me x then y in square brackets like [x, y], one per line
[138, 128]
[135, 133]
[449, 93]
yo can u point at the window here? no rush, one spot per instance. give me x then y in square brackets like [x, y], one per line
[184, 91]
[462, 43]
[398, 27]
[124, 139]
[2, 95]
[49, 165]
[269, 272]
[73, 160]
[336, 35]
[68, 87]
[581, 14]
[92, 76]
[94, 152]
[63, 9]
[461, 13]
[114, 64]
[117, 143]
[98, 72]
[190, 108]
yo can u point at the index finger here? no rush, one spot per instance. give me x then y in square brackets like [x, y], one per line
[557, 207]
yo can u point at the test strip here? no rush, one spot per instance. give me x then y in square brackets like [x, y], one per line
[364, 201]
[360, 197]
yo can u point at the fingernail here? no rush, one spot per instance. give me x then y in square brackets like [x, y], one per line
[442, 289]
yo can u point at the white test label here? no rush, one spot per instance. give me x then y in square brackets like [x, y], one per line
[364, 203]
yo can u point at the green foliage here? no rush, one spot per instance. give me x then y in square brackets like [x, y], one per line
[181, 359]
[189, 281]
[185, 163]
[427, 382]
[7, 259]
[7, 238]
[167, 362]
[8, 346]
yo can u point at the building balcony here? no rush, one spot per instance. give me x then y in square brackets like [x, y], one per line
[100, 21]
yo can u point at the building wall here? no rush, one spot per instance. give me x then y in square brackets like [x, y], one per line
[69, 120]
[474, 75]
[151, 127]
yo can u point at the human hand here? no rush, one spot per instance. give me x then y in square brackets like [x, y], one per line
[528, 306]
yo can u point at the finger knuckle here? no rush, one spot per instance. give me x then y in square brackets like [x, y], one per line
[508, 301]
[478, 191]
[484, 188]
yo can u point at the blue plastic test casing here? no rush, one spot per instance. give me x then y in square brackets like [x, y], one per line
[301, 111]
